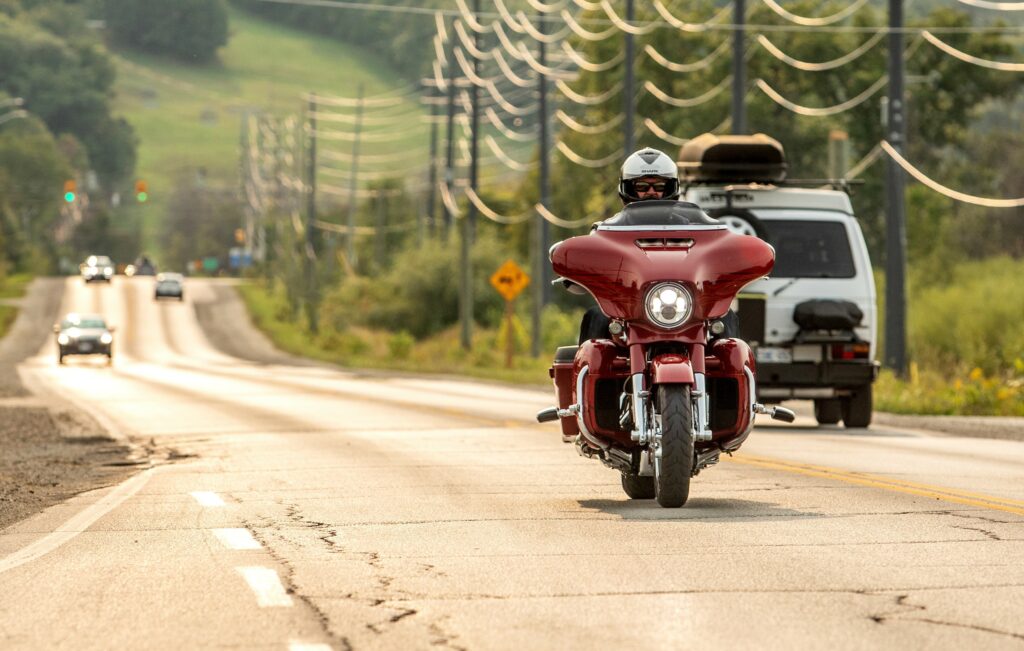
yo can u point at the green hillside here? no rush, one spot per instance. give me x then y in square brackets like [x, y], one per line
[189, 117]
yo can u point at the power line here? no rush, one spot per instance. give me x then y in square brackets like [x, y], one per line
[728, 27]
[846, 12]
[949, 192]
[825, 110]
[963, 56]
[824, 65]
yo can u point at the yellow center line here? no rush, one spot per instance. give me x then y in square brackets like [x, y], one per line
[884, 483]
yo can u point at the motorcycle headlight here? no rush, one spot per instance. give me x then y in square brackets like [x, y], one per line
[668, 305]
[63, 339]
[106, 338]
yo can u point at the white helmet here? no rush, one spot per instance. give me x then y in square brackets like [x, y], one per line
[648, 162]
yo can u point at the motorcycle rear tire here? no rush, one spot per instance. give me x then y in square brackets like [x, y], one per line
[672, 474]
[637, 487]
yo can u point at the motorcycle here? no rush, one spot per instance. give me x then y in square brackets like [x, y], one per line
[665, 394]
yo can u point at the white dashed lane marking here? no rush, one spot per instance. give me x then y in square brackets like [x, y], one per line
[236, 539]
[266, 585]
[207, 498]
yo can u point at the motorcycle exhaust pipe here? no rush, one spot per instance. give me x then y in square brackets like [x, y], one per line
[775, 413]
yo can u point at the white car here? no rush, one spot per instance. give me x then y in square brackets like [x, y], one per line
[97, 267]
[812, 322]
[169, 284]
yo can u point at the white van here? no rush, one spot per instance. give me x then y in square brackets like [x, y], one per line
[812, 323]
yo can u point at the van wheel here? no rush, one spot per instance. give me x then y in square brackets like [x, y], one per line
[740, 221]
[828, 411]
[857, 407]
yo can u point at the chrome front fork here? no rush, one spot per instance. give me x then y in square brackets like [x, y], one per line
[644, 432]
[701, 431]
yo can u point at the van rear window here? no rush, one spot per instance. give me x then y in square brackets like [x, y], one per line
[809, 249]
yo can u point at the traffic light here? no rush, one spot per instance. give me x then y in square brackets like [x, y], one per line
[69, 190]
[141, 191]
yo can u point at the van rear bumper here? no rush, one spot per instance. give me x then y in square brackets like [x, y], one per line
[813, 379]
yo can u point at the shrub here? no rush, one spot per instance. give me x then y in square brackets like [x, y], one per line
[400, 345]
[419, 293]
[189, 30]
[973, 321]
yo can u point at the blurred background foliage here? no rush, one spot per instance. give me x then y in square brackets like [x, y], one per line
[964, 127]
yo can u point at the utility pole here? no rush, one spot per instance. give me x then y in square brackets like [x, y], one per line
[469, 225]
[628, 95]
[310, 268]
[838, 146]
[474, 143]
[353, 174]
[739, 69]
[432, 175]
[541, 286]
[449, 160]
[895, 230]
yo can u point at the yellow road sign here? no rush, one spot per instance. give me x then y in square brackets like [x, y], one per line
[509, 280]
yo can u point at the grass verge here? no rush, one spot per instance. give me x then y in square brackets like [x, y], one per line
[364, 348]
[960, 390]
[11, 287]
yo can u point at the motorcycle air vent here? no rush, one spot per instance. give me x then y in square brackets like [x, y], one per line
[665, 243]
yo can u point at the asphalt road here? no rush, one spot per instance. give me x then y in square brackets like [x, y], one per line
[300, 507]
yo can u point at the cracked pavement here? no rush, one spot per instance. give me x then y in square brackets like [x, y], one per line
[414, 513]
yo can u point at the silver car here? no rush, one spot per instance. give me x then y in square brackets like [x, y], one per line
[171, 285]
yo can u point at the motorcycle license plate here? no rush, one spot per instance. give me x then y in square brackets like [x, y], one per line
[771, 355]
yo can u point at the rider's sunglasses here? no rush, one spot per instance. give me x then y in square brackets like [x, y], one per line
[644, 186]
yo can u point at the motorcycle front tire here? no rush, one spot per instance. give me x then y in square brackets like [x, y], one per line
[672, 473]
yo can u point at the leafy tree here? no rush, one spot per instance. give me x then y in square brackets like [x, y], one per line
[189, 30]
[944, 98]
[398, 38]
[32, 171]
[68, 85]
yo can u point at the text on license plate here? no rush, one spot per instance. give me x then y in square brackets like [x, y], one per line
[774, 355]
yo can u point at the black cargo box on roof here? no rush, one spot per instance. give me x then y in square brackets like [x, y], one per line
[709, 158]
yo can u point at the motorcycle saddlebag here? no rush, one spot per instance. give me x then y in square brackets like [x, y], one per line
[561, 373]
[827, 314]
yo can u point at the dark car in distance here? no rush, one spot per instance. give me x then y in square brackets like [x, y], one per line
[84, 334]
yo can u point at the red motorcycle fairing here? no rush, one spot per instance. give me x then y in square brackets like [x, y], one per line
[671, 369]
[614, 268]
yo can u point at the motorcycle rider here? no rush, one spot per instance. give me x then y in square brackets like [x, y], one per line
[646, 174]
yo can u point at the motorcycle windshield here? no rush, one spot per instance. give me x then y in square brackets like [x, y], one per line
[657, 241]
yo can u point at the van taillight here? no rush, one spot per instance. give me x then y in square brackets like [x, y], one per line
[851, 351]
